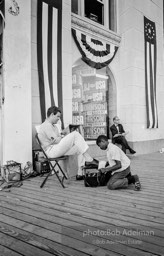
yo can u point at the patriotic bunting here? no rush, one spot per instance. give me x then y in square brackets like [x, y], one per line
[2, 23]
[95, 53]
[2, 11]
[49, 53]
[150, 73]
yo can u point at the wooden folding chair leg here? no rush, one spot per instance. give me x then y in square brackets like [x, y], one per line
[61, 170]
[44, 181]
[53, 169]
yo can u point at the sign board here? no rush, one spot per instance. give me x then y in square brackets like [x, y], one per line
[89, 102]
[94, 132]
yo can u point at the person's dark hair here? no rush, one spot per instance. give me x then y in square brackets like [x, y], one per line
[100, 138]
[53, 110]
[114, 118]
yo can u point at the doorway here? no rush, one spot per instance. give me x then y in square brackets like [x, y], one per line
[94, 99]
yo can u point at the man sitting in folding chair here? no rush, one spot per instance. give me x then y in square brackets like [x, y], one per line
[55, 145]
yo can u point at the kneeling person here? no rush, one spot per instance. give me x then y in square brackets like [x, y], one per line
[119, 166]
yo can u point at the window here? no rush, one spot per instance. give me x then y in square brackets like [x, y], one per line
[94, 10]
[90, 100]
[75, 6]
[99, 11]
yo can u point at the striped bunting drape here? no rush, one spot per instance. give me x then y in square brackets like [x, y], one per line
[150, 73]
[49, 53]
[95, 53]
[2, 24]
[2, 14]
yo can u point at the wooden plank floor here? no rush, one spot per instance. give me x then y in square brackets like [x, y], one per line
[86, 221]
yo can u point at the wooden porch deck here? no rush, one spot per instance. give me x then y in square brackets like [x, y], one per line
[86, 221]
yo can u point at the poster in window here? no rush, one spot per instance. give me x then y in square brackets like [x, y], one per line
[90, 102]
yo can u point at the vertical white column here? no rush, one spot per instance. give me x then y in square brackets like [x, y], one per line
[106, 14]
[67, 62]
[17, 124]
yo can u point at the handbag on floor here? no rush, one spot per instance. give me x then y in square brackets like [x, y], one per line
[95, 179]
[11, 171]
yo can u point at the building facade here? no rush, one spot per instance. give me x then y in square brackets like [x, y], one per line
[91, 60]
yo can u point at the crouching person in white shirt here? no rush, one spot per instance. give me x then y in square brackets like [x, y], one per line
[119, 166]
[55, 145]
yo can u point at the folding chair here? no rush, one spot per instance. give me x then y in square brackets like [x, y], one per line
[52, 167]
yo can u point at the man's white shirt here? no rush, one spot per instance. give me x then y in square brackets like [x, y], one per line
[115, 153]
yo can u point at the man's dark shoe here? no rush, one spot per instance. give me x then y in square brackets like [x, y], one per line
[93, 164]
[132, 151]
[137, 184]
[79, 177]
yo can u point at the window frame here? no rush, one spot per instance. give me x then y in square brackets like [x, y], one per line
[109, 24]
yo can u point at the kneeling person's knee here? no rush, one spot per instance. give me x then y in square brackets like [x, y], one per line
[111, 186]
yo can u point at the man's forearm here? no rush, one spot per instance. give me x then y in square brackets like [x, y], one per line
[55, 140]
[111, 169]
[116, 135]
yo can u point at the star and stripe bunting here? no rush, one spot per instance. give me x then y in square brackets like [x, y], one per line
[2, 24]
[49, 53]
[150, 73]
[95, 53]
[2, 11]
